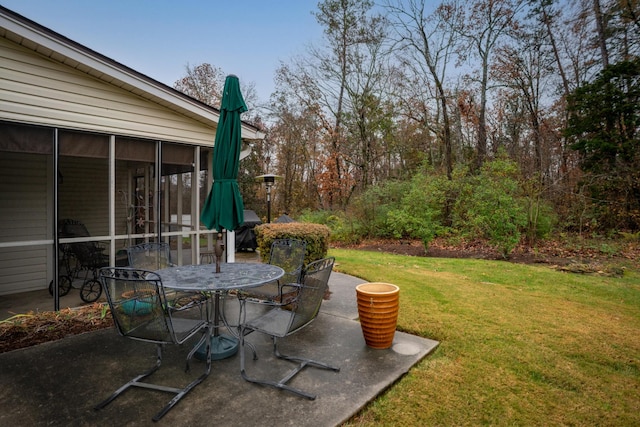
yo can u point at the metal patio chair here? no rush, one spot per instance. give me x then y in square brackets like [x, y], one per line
[150, 256]
[90, 257]
[155, 256]
[79, 256]
[286, 318]
[289, 255]
[140, 312]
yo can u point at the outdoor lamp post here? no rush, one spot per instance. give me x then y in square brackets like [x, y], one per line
[268, 179]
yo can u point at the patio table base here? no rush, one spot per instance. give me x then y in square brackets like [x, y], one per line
[222, 346]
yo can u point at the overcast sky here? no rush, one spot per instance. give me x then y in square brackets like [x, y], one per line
[159, 38]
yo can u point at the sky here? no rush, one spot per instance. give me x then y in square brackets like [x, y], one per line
[159, 38]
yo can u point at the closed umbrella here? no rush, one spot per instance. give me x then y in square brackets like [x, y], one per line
[223, 207]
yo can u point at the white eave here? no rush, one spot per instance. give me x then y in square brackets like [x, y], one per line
[46, 42]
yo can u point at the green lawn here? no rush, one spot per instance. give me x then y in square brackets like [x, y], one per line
[519, 345]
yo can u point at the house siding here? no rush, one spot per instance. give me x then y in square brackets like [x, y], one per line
[24, 206]
[37, 90]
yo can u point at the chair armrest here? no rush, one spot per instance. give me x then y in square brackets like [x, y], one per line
[294, 286]
[180, 301]
[289, 293]
[244, 296]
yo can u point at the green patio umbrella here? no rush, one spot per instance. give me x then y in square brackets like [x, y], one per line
[224, 207]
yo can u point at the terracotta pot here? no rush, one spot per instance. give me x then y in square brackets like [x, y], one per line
[378, 305]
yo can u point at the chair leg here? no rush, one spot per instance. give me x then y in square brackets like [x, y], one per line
[307, 362]
[134, 381]
[179, 392]
[282, 384]
[182, 392]
[242, 314]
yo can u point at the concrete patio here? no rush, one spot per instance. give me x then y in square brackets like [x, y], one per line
[58, 383]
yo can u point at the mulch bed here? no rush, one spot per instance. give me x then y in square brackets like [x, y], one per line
[545, 252]
[24, 330]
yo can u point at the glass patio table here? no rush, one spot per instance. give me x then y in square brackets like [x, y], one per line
[203, 278]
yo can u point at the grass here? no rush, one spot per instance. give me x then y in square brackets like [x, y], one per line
[519, 344]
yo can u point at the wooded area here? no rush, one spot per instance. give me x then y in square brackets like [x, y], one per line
[486, 118]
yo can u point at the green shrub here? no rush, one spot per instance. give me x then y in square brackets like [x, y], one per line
[630, 237]
[315, 235]
[370, 209]
[488, 206]
[541, 218]
[420, 214]
[315, 217]
[343, 228]
[494, 209]
[546, 220]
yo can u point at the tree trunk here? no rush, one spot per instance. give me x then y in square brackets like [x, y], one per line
[601, 28]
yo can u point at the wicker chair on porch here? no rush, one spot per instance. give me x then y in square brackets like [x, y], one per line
[286, 318]
[140, 311]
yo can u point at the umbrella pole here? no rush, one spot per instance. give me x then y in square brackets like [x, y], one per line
[222, 346]
[219, 251]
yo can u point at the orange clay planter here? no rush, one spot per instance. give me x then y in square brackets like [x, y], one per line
[378, 305]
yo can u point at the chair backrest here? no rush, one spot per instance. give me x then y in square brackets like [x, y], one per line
[289, 254]
[88, 254]
[73, 228]
[315, 283]
[150, 256]
[137, 300]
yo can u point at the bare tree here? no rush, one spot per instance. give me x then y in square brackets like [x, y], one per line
[205, 83]
[350, 66]
[299, 159]
[332, 82]
[524, 67]
[545, 14]
[486, 22]
[601, 27]
[426, 47]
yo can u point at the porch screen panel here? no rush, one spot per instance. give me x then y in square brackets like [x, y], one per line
[83, 184]
[18, 138]
[79, 144]
[139, 150]
[135, 189]
[204, 175]
[178, 212]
